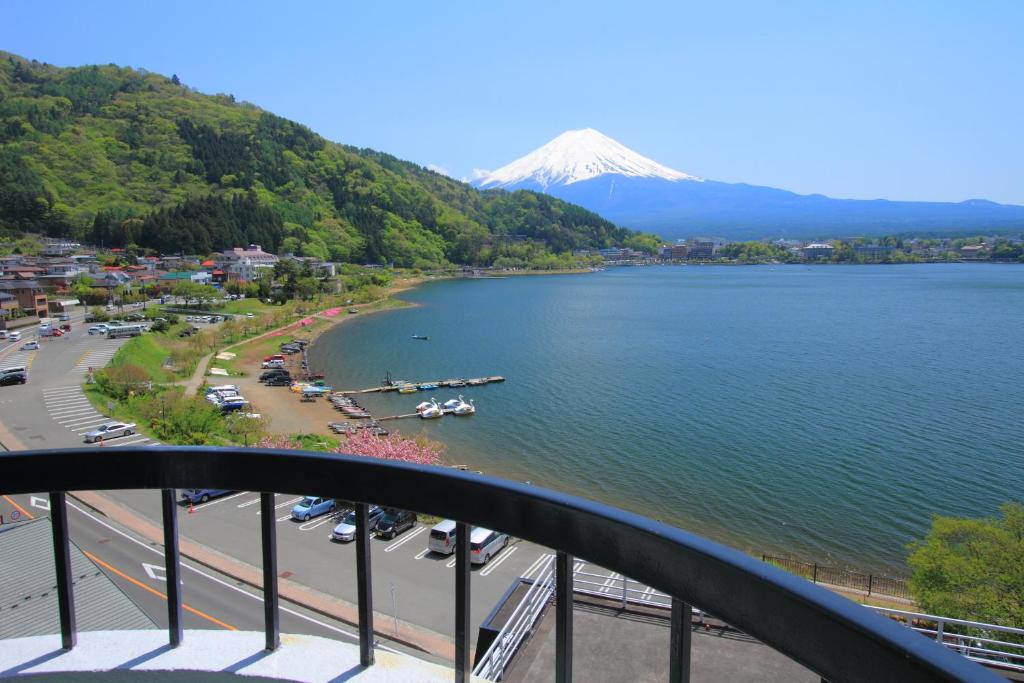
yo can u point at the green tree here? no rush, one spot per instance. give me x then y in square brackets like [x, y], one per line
[972, 568]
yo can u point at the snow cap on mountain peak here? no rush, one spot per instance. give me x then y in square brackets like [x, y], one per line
[577, 155]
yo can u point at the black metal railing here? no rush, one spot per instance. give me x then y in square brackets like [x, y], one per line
[830, 635]
[869, 584]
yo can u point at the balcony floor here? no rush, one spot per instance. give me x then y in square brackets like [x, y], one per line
[216, 654]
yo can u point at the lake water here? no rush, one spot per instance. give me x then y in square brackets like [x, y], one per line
[826, 412]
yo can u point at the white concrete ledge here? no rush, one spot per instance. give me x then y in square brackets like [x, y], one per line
[309, 659]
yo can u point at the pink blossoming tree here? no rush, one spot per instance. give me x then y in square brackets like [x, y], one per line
[391, 447]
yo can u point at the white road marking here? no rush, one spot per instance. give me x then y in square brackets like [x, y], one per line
[249, 502]
[422, 554]
[451, 563]
[72, 411]
[281, 519]
[75, 422]
[203, 506]
[66, 401]
[528, 572]
[258, 598]
[496, 562]
[129, 441]
[155, 571]
[41, 503]
[409, 536]
[314, 523]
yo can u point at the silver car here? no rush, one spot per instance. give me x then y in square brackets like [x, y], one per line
[346, 531]
[110, 430]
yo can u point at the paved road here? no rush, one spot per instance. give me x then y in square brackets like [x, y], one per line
[409, 582]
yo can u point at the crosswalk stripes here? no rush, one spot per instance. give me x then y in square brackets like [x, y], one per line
[69, 407]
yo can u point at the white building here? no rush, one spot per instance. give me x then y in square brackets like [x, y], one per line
[248, 263]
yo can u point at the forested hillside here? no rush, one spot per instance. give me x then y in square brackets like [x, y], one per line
[119, 156]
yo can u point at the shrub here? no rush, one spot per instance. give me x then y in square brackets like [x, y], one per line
[122, 381]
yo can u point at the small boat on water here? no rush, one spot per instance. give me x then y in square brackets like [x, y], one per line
[423, 406]
[358, 415]
[427, 386]
[453, 403]
[407, 389]
[465, 408]
[432, 412]
[476, 382]
[421, 337]
[457, 383]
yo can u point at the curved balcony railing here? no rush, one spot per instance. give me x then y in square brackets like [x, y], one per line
[828, 634]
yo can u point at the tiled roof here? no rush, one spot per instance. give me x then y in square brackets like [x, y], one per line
[28, 596]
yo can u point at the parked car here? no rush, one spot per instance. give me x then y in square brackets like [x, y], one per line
[233, 403]
[110, 430]
[394, 522]
[64, 317]
[12, 378]
[279, 381]
[276, 356]
[99, 329]
[3, 334]
[276, 372]
[485, 544]
[346, 530]
[276, 363]
[66, 327]
[30, 346]
[16, 370]
[195, 496]
[249, 315]
[442, 537]
[14, 336]
[312, 506]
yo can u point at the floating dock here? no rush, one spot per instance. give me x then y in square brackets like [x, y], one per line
[445, 383]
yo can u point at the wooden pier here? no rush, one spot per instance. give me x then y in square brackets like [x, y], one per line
[441, 384]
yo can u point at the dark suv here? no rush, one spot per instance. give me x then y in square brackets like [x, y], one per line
[12, 378]
[395, 522]
[274, 374]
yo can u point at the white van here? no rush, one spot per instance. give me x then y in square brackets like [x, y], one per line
[223, 387]
[14, 336]
[442, 537]
[485, 544]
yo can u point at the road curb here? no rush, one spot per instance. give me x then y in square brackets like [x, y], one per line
[411, 635]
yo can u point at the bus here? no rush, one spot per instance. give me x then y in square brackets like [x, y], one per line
[124, 331]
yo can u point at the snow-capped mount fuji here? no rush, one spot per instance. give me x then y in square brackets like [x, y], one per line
[578, 155]
[588, 168]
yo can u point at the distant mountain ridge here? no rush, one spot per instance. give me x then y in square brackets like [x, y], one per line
[590, 169]
[118, 157]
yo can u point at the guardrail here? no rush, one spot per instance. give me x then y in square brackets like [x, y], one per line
[826, 633]
[869, 584]
[975, 640]
[496, 659]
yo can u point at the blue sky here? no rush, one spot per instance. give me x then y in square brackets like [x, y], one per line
[902, 100]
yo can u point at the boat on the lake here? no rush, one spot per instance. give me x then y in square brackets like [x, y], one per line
[432, 412]
[465, 408]
[421, 337]
[427, 386]
[407, 389]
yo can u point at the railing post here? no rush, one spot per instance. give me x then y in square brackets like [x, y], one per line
[563, 618]
[625, 583]
[364, 588]
[268, 530]
[462, 634]
[62, 567]
[681, 640]
[815, 578]
[172, 568]
[871, 578]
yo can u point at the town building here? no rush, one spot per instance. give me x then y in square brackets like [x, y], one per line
[248, 263]
[818, 250]
[30, 296]
[697, 251]
[680, 252]
[873, 251]
[56, 248]
[973, 251]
